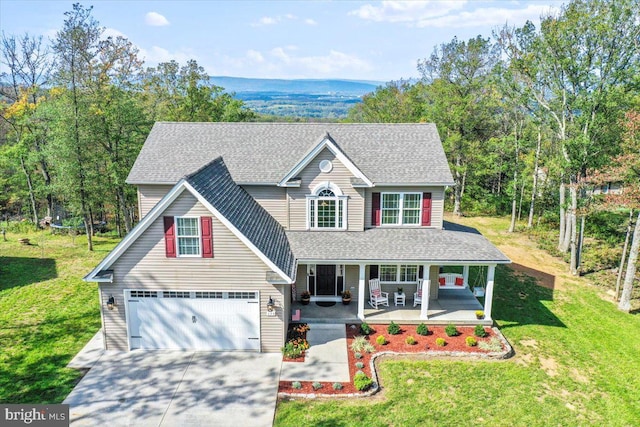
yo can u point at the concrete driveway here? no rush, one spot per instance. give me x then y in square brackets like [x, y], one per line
[178, 388]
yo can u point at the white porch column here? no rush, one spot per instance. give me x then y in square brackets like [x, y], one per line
[488, 295]
[465, 274]
[361, 292]
[426, 290]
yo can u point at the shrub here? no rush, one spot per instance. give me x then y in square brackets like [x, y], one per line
[479, 331]
[494, 344]
[295, 348]
[381, 340]
[410, 340]
[366, 329]
[393, 328]
[369, 348]
[297, 385]
[316, 385]
[357, 355]
[337, 386]
[422, 329]
[359, 365]
[471, 341]
[359, 343]
[440, 342]
[361, 381]
[451, 330]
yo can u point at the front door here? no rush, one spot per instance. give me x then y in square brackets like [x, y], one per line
[326, 280]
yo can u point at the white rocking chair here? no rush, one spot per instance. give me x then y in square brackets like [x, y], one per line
[376, 296]
[417, 295]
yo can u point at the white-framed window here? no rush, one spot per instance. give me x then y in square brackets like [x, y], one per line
[403, 273]
[401, 208]
[327, 208]
[188, 236]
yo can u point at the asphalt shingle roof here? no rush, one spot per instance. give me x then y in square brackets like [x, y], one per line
[455, 243]
[215, 184]
[263, 153]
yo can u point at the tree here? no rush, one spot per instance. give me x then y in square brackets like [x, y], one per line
[76, 48]
[579, 69]
[462, 101]
[176, 93]
[29, 67]
[396, 102]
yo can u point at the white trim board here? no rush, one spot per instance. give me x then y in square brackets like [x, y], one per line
[331, 146]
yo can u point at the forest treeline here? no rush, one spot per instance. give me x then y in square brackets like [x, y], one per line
[75, 112]
[538, 121]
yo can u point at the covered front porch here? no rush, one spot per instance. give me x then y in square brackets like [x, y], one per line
[453, 306]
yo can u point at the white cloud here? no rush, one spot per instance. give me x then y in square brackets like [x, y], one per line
[406, 11]
[489, 17]
[449, 14]
[112, 32]
[272, 20]
[265, 20]
[155, 19]
[287, 62]
[255, 56]
[157, 54]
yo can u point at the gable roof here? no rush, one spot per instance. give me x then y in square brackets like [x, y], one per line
[328, 143]
[214, 183]
[233, 206]
[264, 153]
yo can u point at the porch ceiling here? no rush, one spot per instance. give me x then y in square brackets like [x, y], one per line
[454, 244]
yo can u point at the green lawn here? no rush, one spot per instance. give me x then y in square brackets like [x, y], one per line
[577, 363]
[47, 313]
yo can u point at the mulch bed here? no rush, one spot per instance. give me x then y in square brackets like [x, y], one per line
[395, 343]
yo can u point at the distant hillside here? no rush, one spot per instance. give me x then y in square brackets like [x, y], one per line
[301, 87]
[318, 99]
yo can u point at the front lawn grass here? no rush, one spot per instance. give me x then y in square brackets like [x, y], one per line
[576, 364]
[47, 313]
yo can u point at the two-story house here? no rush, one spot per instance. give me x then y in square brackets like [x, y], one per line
[238, 219]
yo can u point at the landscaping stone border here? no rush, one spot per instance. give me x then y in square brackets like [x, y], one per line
[497, 355]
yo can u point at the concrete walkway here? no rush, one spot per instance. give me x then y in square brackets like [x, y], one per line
[326, 359]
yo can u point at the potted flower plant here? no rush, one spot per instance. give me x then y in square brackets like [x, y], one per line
[305, 297]
[479, 314]
[346, 297]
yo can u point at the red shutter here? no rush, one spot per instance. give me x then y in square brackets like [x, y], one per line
[207, 237]
[375, 209]
[426, 209]
[169, 237]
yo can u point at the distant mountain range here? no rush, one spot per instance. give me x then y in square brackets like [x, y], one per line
[241, 85]
[307, 98]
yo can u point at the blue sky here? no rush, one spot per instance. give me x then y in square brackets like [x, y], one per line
[285, 39]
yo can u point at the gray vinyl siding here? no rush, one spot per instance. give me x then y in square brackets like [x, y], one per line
[311, 177]
[149, 196]
[234, 267]
[437, 201]
[351, 280]
[273, 199]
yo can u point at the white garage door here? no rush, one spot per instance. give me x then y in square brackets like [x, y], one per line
[194, 320]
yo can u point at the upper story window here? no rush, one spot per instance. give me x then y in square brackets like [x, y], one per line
[401, 208]
[327, 208]
[188, 236]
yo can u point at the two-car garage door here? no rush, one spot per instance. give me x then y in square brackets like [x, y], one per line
[193, 320]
